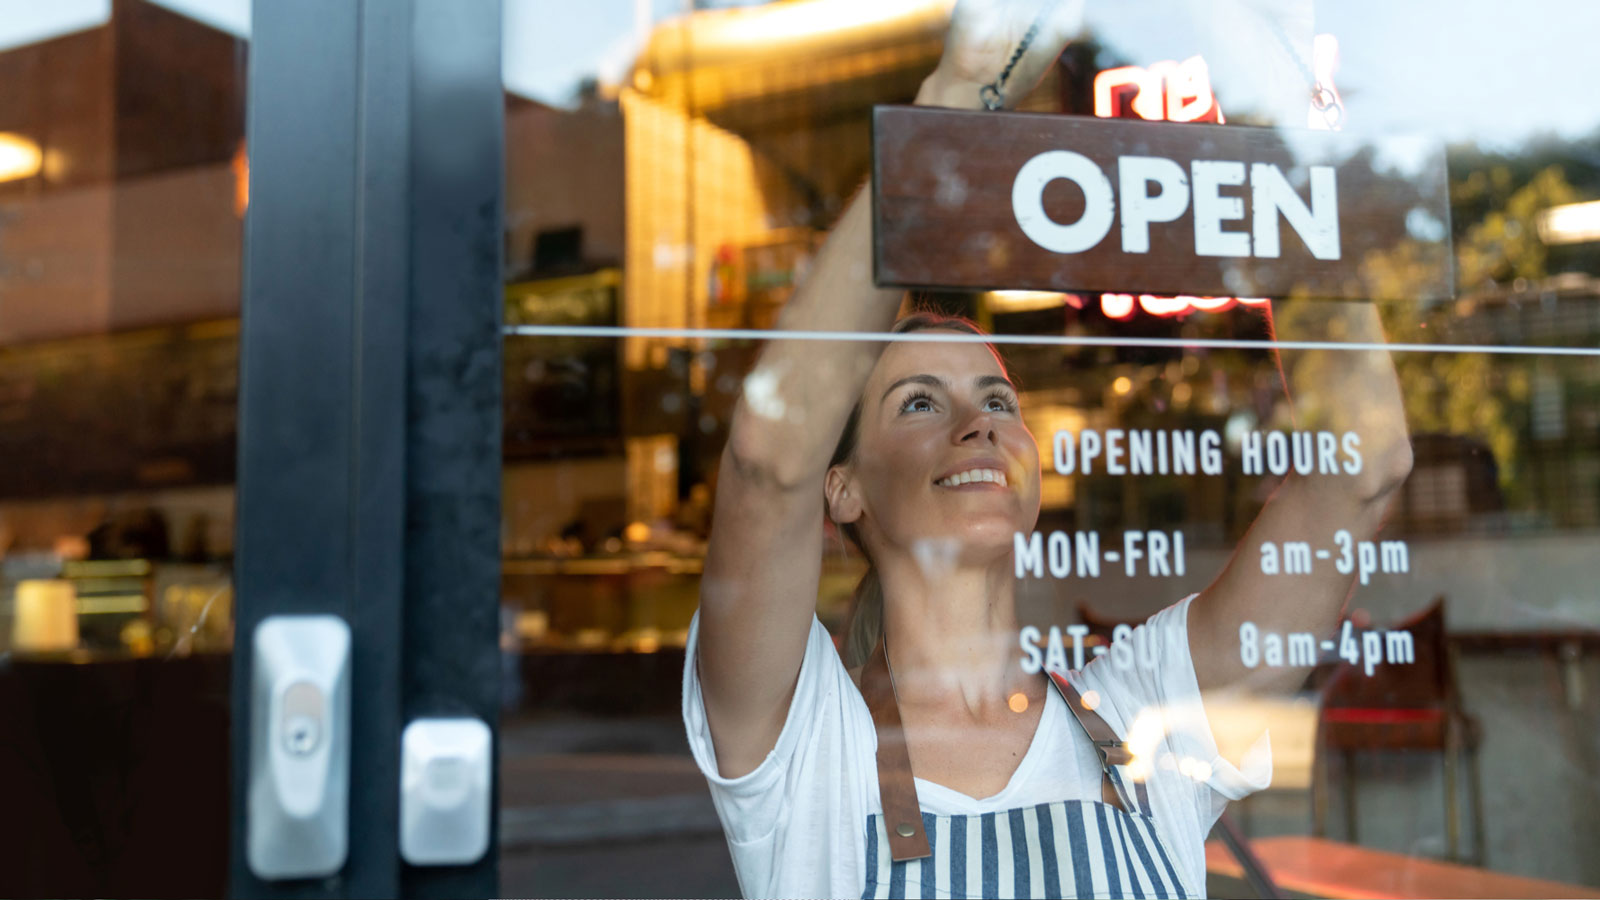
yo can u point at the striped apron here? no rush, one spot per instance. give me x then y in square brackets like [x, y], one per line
[1069, 848]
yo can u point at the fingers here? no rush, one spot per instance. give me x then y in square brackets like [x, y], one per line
[984, 34]
[1059, 22]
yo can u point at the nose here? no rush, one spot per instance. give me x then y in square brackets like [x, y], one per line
[979, 428]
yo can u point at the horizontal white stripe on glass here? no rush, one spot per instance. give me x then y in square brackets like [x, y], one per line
[1058, 340]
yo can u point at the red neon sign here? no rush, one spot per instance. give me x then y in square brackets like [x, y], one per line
[1121, 306]
[1165, 92]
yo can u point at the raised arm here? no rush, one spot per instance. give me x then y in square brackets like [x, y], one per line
[763, 563]
[759, 590]
[1337, 390]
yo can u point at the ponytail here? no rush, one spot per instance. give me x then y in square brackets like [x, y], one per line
[865, 627]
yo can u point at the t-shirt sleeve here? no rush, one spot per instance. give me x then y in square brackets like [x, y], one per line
[818, 732]
[1151, 688]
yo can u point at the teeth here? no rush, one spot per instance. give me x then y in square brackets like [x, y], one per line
[994, 476]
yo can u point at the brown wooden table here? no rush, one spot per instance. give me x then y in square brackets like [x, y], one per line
[1315, 867]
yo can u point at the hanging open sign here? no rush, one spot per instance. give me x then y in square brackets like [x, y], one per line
[977, 200]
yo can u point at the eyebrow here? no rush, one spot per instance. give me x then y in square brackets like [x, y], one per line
[982, 382]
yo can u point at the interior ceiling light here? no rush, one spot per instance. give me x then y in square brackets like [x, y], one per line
[19, 157]
[1025, 301]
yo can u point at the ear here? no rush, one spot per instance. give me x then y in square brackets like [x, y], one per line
[844, 499]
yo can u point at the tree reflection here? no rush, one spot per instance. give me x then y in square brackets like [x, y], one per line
[1500, 259]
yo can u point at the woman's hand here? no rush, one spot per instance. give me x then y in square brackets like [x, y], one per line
[983, 35]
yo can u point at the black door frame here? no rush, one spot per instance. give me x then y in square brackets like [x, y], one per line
[370, 385]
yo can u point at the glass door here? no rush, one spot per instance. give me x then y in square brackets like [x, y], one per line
[673, 175]
[249, 344]
[123, 187]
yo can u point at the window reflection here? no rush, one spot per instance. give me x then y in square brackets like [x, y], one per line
[731, 145]
[121, 169]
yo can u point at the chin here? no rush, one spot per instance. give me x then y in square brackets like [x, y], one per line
[985, 542]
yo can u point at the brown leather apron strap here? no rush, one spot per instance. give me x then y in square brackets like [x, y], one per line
[902, 814]
[1110, 748]
[897, 788]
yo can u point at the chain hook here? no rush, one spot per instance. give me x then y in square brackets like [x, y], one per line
[993, 95]
[1325, 101]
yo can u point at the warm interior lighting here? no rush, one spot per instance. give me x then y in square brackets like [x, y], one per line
[46, 616]
[19, 157]
[1122, 385]
[1024, 301]
[112, 603]
[812, 18]
[1049, 412]
[1573, 223]
[241, 180]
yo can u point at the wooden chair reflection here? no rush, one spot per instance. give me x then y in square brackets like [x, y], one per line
[1408, 707]
[1415, 707]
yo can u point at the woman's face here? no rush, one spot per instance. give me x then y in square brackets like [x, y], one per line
[943, 461]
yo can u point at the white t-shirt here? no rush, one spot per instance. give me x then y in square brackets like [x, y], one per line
[796, 826]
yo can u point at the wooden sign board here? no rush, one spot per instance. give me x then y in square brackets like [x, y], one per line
[987, 200]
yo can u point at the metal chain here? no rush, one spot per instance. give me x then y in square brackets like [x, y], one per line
[1323, 99]
[993, 94]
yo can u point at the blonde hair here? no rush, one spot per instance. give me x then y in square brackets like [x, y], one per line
[864, 628]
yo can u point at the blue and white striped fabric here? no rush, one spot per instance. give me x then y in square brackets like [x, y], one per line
[1076, 848]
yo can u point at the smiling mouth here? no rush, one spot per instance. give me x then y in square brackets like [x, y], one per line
[974, 476]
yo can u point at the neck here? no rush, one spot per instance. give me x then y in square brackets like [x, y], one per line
[952, 632]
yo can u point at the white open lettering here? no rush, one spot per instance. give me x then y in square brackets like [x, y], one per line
[1271, 197]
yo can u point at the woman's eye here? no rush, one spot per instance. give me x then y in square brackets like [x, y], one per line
[917, 401]
[998, 403]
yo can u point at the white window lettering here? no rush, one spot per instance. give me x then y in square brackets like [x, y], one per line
[1210, 452]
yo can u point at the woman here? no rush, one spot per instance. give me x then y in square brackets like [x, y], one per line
[932, 473]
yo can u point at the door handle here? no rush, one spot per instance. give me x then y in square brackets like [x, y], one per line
[446, 772]
[298, 804]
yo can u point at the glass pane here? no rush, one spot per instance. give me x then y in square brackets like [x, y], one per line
[123, 183]
[1383, 509]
